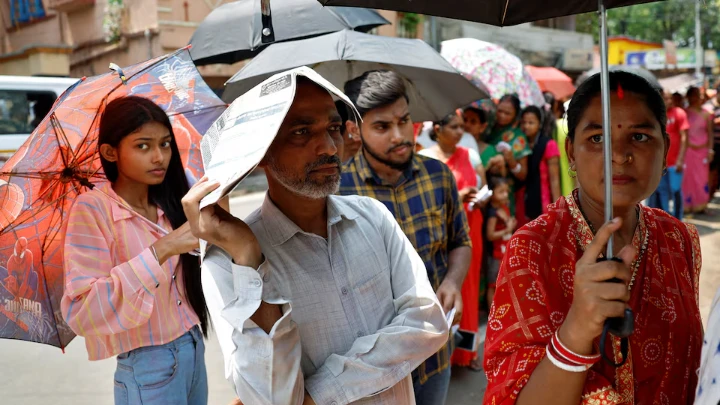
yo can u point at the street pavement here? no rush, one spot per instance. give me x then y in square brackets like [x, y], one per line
[33, 374]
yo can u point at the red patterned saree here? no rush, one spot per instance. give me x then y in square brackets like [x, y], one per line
[535, 290]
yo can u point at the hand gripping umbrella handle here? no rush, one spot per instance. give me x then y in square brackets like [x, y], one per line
[621, 327]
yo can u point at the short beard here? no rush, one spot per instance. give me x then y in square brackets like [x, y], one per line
[393, 165]
[306, 186]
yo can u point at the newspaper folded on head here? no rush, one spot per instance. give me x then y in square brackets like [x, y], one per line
[238, 140]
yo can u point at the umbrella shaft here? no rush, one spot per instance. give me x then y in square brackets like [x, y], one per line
[607, 141]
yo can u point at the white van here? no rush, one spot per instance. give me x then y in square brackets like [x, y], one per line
[24, 102]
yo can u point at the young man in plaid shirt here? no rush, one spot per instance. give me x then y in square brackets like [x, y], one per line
[422, 195]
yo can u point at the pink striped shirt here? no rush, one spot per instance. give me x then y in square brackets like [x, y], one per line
[116, 294]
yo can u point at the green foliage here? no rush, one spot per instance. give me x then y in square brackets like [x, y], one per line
[412, 19]
[655, 22]
[112, 22]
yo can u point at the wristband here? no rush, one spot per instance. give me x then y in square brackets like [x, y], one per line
[563, 366]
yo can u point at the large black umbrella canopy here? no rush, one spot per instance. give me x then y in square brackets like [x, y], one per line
[494, 12]
[234, 31]
[435, 88]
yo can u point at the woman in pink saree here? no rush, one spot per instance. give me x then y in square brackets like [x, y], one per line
[699, 154]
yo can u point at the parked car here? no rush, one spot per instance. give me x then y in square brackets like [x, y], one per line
[24, 102]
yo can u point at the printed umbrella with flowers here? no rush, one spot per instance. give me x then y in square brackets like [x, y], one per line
[494, 68]
[59, 161]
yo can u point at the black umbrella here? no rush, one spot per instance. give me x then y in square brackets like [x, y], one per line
[511, 12]
[435, 87]
[239, 30]
[493, 12]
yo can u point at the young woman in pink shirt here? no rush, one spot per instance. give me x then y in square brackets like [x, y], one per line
[131, 288]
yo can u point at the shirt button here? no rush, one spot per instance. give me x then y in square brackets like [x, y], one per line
[174, 275]
[157, 285]
[257, 283]
[179, 302]
[344, 291]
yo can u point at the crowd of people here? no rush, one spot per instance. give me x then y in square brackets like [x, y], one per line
[691, 177]
[514, 153]
[336, 290]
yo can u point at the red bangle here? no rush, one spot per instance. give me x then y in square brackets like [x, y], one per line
[571, 356]
[562, 363]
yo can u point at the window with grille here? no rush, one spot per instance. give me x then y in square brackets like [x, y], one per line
[24, 11]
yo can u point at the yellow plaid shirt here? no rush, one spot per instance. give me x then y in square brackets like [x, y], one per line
[426, 204]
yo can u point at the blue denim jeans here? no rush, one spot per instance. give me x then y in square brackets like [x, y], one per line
[670, 188]
[173, 373]
[435, 389]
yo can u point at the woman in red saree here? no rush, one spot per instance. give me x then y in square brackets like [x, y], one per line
[469, 175]
[551, 286]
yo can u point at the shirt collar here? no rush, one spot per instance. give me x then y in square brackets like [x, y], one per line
[366, 172]
[280, 228]
[120, 209]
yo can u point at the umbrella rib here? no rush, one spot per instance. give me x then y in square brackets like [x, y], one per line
[55, 124]
[507, 3]
[103, 101]
[41, 208]
[47, 294]
[64, 135]
[32, 175]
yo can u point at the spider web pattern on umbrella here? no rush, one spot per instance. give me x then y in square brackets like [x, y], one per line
[58, 162]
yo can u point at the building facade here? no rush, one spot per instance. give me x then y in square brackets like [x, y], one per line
[546, 43]
[78, 38]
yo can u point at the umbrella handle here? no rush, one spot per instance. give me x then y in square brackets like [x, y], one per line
[621, 327]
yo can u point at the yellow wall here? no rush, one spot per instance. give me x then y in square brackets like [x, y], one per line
[618, 47]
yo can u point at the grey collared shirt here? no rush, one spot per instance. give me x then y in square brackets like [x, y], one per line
[359, 313]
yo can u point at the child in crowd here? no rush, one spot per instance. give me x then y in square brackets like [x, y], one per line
[500, 227]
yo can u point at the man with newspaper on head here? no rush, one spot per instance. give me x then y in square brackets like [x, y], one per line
[316, 298]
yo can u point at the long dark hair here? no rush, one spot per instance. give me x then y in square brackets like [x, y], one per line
[124, 116]
[533, 182]
[550, 125]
